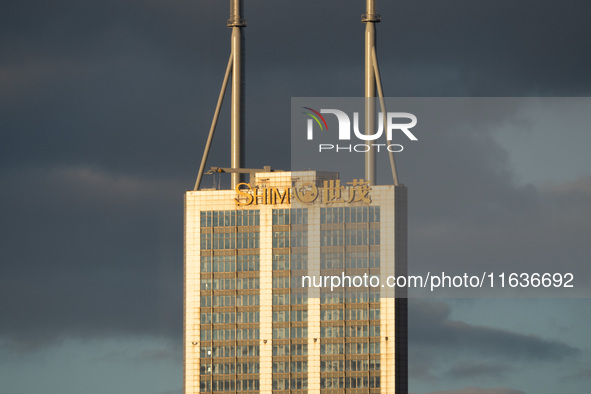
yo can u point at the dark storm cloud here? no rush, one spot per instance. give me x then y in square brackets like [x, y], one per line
[105, 109]
[122, 84]
[447, 351]
[501, 48]
[584, 373]
[110, 85]
[460, 47]
[179, 391]
[478, 369]
[476, 390]
[165, 353]
[89, 254]
[132, 81]
[433, 329]
[469, 213]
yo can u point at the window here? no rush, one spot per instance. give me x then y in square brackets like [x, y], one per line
[331, 383]
[349, 215]
[299, 261]
[205, 351]
[357, 365]
[206, 264]
[281, 367]
[206, 335]
[223, 335]
[247, 333]
[299, 350]
[280, 333]
[247, 300]
[280, 299]
[327, 349]
[247, 240]
[243, 368]
[299, 298]
[248, 283]
[374, 348]
[220, 231]
[247, 385]
[281, 282]
[248, 218]
[226, 300]
[248, 317]
[331, 260]
[223, 351]
[205, 301]
[299, 332]
[299, 315]
[247, 263]
[248, 351]
[331, 332]
[280, 316]
[280, 350]
[299, 366]
[331, 366]
[290, 216]
[290, 384]
[374, 365]
[331, 314]
[280, 262]
[336, 297]
[281, 239]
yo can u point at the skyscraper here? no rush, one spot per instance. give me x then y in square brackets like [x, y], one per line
[249, 323]
[263, 311]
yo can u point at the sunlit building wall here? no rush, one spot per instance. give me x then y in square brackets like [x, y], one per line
[249, 324]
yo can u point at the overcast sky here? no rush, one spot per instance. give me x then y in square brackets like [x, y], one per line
[104, 112]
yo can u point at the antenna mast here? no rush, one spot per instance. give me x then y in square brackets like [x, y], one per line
[370, 18]
[373, 80]
[237, 23]
[236, 70]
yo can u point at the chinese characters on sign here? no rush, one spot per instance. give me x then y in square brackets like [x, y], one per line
[331, 192]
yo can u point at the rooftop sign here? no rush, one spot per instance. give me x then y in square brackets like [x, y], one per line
[308, 193]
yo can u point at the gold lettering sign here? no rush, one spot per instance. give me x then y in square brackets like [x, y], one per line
[277, 196]
[242, 192]
[307, 193]
[262, 196]
[330, 193]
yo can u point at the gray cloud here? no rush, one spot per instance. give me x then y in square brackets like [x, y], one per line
[102, 256]
[105, 108]
[104, 111]
[169, 352]
[478, 369]
[432, 328]
[469, 213]
[476, 390]
[584, 373]
[139, 79]
[445, 352]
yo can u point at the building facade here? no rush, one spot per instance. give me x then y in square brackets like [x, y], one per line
[260, 312]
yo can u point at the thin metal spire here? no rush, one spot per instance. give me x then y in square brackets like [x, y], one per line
[370, 18]
[373, 81]
[236, 69]
[237, 141]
